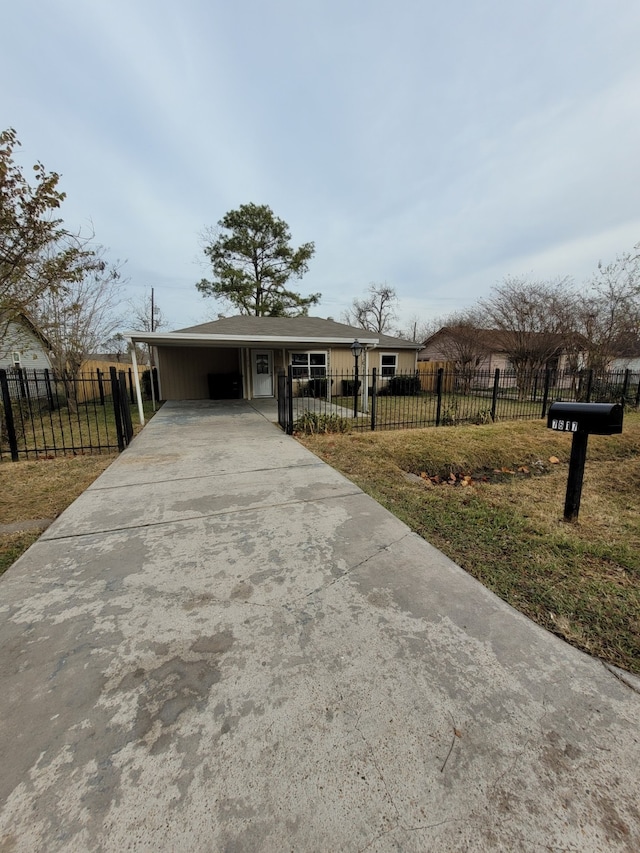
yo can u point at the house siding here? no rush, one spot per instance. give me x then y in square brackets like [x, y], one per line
[184, 370]
[17, 338]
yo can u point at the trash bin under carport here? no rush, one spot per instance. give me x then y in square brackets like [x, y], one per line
[225, 386]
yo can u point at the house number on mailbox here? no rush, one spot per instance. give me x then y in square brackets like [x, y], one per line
[564, 426]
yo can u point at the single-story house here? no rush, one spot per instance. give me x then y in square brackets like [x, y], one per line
[22, 345]
[241, 356]
[487, 349]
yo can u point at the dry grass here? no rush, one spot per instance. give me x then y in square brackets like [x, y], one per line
[41, 489]
[581, 581]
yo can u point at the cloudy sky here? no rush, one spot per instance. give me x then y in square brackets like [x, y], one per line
[433, 146]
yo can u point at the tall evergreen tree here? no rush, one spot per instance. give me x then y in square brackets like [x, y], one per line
[252, 261]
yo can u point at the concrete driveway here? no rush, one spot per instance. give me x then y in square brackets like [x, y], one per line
[224, 645]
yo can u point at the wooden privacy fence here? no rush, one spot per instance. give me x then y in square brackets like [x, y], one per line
[102, 369]
[428, 373]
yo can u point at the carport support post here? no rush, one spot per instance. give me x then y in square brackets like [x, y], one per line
[576, 474]
[136, 375]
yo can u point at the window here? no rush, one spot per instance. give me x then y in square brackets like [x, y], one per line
[262, 364]
[388, 364]
[16, 359]
[309, 364]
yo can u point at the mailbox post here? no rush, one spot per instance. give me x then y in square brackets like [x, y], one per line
[582, 420]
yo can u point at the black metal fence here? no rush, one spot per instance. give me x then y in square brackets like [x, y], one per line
[44, 415]
[440, 397]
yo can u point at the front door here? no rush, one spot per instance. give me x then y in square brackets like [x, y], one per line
[262, 362]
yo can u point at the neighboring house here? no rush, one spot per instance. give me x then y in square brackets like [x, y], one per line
[22, 346]
[241, 356]
[480, 349]
[628, 355]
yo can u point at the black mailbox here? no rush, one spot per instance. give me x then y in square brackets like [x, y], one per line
[582, 420]
[592, 418]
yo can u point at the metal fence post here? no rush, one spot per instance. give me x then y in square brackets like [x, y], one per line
[625, 386]
[126, 411]
[47, 385]
[587, 398]
[545, 395]
[20, 379]
[439, 393]
[290, 400]
[638, 393]
[100, 386]
[8, 416]
[494, 396]
[374, 398]
[117, 408]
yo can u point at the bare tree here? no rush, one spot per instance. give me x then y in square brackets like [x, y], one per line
[526, 315]
[80, 318]
[464, 342]
[146, 314]
[418, 330]
[376, 312]
[609, 314]
[116, 347]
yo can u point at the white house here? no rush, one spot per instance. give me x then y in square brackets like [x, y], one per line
[22, 346]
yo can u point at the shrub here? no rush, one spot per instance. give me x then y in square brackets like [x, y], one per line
[145, 382]
[313, 423]
[404, 386]
[349, 387]
[483, 416]
[449, 416]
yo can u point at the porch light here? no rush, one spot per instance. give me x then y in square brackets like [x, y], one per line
[356, 349]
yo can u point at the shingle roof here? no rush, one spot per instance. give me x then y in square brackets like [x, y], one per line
[295, 327]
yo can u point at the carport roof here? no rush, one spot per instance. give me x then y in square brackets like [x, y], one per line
[286, 331]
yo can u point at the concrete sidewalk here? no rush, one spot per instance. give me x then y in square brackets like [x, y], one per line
[224, 645]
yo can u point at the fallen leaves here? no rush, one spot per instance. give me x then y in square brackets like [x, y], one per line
[466, 479]
[454, 479]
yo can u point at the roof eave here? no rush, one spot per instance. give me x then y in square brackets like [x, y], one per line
[178, 338]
